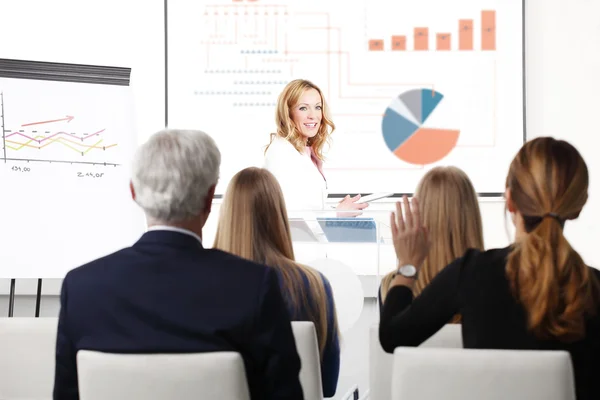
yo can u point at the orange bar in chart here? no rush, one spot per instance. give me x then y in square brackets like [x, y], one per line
[488, 30]
[465, 34]
[443, 41]
[398, 43]
[421, 38]
[375, 45]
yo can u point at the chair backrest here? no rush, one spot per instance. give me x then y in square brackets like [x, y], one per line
[450, 336]
[305, 336]
[27, 357]
[469, 374]
[218, 375]
[380, 362]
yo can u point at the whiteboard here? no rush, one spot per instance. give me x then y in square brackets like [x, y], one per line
[453, 70]
[53, 218]
[66, 181]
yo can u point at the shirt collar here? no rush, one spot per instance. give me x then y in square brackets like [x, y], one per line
[174, 229]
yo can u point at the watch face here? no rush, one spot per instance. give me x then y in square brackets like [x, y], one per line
[408, 270]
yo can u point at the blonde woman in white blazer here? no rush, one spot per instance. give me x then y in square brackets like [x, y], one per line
[295, 153]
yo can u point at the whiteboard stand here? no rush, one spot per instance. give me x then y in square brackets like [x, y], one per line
[26, 75]
[11, 298]
[38, 298]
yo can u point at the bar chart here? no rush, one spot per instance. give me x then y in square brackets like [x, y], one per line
[463, 37]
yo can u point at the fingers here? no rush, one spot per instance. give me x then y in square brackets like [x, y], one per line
[399, 218]
[344, 199]
[416, 215]
[349, 203]
[393, 224]
[407, 213]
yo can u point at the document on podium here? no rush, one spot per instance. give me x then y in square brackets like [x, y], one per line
[349, 230]
[334, 230]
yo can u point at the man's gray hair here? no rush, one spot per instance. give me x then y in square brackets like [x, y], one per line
[172, 173]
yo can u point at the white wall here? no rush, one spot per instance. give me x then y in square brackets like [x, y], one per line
[563, 82]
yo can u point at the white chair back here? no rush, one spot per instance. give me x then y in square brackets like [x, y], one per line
[308, 350]
[468, 374]
[380, 362]
[27, 357]
[217, 375]
[450, 337]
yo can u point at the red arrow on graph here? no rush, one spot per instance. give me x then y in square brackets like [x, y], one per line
[68, 119]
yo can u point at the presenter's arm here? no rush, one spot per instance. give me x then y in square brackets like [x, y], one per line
[330, 366]
[275, 344]
[65, 374]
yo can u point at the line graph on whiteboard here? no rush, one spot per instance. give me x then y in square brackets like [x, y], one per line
[55, 140]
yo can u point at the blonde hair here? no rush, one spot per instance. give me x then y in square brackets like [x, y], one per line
[253, 224]
[450, 211]
[548, 184]
[287, 129]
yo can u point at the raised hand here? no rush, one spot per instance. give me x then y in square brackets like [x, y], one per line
[410, 238]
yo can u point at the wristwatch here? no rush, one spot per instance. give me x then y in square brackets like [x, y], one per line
[408, 271]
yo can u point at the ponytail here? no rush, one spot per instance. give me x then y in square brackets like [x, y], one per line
[551, 281]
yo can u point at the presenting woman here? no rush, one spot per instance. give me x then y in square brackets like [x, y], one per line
[295, 154]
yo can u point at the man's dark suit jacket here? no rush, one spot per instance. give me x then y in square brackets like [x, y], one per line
[167, 294]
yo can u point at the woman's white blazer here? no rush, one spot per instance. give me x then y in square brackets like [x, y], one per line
[304, 187]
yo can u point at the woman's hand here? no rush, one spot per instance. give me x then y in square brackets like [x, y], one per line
[409, 235]
[350, 203]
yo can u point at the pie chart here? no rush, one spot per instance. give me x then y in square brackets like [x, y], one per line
[404, 133]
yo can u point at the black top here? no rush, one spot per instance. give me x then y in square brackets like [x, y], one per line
[476, 286]
[167, 294]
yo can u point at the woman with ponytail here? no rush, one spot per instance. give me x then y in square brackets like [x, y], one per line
[535, 294]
